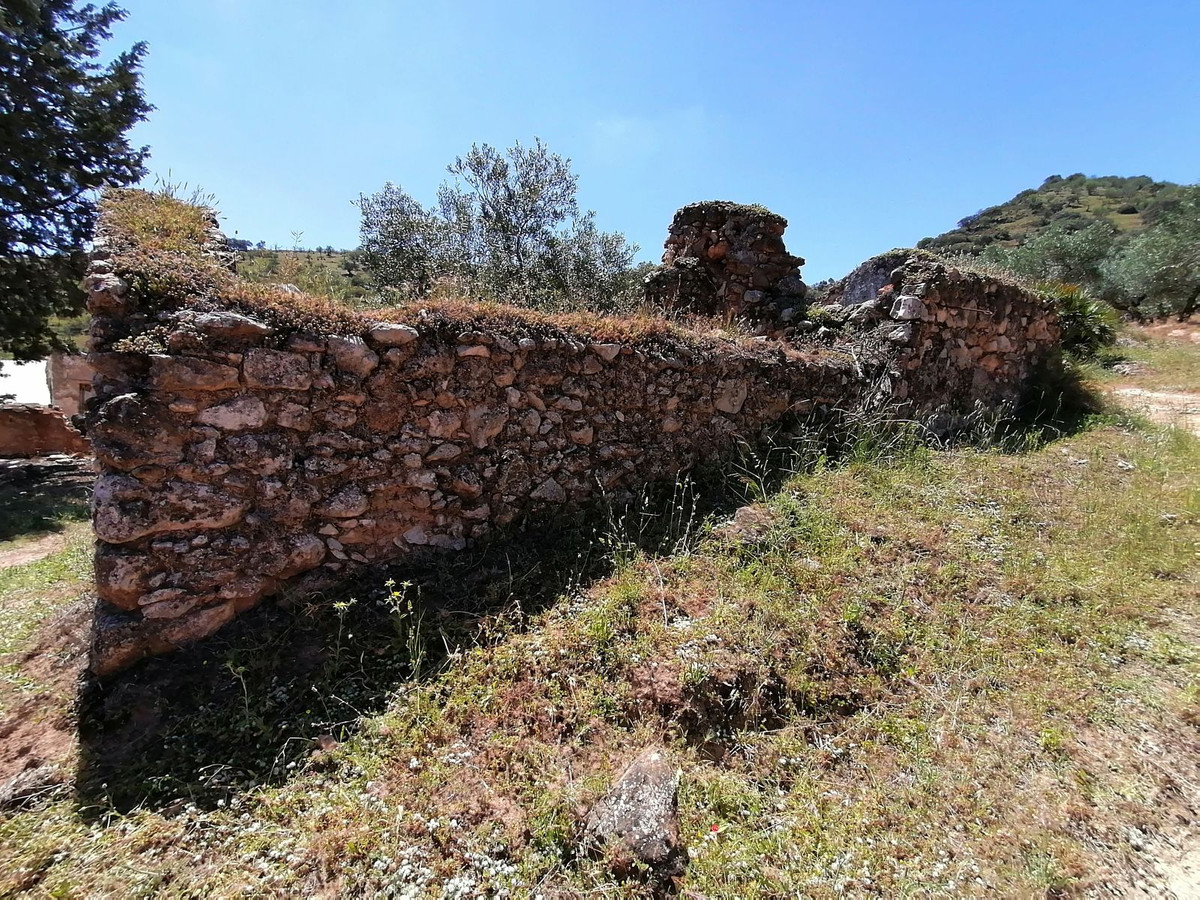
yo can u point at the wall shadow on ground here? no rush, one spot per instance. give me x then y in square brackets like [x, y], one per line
[246, 706]
[43, 494]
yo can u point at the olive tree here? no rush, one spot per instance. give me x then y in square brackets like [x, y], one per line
[508, 224]
[1158, 272]
[1059, 254]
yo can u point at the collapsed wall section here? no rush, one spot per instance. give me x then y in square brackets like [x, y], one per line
[729, 260]
[28, 430]
[962, 340]
[248, 441]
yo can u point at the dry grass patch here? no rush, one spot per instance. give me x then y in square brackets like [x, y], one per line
[159, 245]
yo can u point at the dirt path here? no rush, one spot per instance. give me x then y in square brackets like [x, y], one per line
[32, 551]
[1170, 866]
[1164, 407]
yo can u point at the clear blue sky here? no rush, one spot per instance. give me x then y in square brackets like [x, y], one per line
[867, 124]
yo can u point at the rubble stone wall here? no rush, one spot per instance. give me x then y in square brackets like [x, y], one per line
[229, 470]
[29, 430]
[237, 456]
[963, 340]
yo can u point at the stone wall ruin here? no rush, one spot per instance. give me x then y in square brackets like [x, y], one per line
[28, 430]
[239, 453]
[728, 259]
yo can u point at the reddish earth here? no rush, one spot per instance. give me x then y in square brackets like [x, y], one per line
[37, 727]
[32, 551]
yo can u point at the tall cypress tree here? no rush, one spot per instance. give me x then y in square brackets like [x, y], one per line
[63, 123]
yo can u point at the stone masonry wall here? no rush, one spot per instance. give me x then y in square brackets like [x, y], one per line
[27, 430]
[963, 340]
[729, 259]
[237, 455]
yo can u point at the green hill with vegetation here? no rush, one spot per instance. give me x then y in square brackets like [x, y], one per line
[1132, 244]
[1073, 203]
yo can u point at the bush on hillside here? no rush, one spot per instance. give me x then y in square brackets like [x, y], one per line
[1158, 272]
[1151, 273]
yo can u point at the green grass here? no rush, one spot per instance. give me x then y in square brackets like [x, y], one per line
[1158, 365]
[33, 508]
[30, 595]
[931, 672]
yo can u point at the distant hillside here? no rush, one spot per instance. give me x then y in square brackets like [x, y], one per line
[332, 273]
[1075, 202]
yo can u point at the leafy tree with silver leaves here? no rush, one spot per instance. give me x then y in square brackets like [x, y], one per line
[1158, 272]
[507, 225]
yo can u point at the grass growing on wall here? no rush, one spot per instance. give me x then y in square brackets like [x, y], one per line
[159, 245]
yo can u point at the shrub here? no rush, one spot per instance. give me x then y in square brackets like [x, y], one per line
[508, 227]
[1088, 324]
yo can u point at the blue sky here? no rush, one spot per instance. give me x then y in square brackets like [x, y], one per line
[867, 124]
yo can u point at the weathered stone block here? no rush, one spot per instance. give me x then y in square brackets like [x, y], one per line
[277, 370]
[230, 326]
[549, 491]
[484, 423]
[345, 504]
[351, 354]
[908, 308]
[386, 334]
[130, 431]
[187, 373]
[732, 397]
[235, 415]
[295, 417]
[125, 509]
[640, 814]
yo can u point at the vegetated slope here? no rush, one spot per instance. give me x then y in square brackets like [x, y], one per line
[333, 273]
[954, 672]
[1130, 204]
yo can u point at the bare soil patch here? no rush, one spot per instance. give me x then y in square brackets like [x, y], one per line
[38, 728]
[1176, 332]
[32, 551]
[1176, 408]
